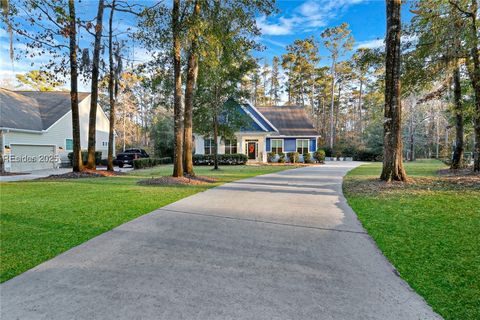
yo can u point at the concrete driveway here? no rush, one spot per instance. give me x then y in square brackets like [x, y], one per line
[278, 246]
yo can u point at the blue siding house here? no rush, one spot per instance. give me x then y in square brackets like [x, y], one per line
[272, 129]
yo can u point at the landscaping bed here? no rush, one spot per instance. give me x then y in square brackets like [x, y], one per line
[169, 180]
[428, 228]
[13, 173]
[83, 174]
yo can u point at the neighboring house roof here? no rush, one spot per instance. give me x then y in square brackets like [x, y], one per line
[259, 120]
[34, 110]
[289, 120]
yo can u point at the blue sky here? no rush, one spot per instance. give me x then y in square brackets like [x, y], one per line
[295, 19]
[299, 19]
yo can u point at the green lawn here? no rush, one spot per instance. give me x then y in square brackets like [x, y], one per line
[430, 232]
[41, 219]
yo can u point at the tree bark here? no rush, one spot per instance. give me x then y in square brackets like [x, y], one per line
[77, 151]
[332, 104]
[411, 133]
[177, 103]
[360, 119]
[215, 139]
[192, 72]
[457, 159]
[92, 123]
[324, 123]
[412, 146]
[437, 137]
[392, 153]
[475, 79]
[2, 154]
[111, 76]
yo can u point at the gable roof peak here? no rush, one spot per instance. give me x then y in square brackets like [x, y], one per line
[34, 110]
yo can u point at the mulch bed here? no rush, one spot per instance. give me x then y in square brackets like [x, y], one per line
[466, 172]
[83, 174]
[167, 180]
[458, 182]
[287, 164]
[13, 173]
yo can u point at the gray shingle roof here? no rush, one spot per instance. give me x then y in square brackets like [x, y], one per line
[289, 120]
[33, 110]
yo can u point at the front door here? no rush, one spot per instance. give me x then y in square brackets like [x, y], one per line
[252, 150]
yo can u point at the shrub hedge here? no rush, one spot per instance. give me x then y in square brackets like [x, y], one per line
[223, 159]
[293, 157]
[98, 157]
[307, 158]
[319, 155]
[271, 157]
[150, 162]
[367, 155]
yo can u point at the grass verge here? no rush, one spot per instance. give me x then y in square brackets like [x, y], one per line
[41, 219]
[429, 229]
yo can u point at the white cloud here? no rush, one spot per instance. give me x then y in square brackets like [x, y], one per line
[3, 33]
[370, 44]
[283, 27]
[380, 43]
[310, 15]
[275, 43]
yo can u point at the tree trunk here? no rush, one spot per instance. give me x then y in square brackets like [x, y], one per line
[411, 134]
[392, 154]
[192, 72]
[92, 123]
[332, 103]
[412, 147]
[324, 120]
[337, 110]
[177, 104]
[2, 154]
[360, 119]
[77, 151]
[457, 159]
[124, 129]
[215, 139]
[111, 131]
[289, 92]
[475, 79]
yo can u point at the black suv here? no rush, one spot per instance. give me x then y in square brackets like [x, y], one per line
[129, 155]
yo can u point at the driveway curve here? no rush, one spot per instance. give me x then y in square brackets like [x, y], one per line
[278, 246]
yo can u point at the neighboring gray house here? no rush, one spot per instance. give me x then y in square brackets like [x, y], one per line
[36, 128]
[272, 129]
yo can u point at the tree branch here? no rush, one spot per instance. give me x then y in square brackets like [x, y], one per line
[457, 6]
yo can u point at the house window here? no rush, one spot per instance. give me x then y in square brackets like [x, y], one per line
[277, 145]
[105, 143]
[230, 146]
[68, 144]
[209, 146]
[302, 146]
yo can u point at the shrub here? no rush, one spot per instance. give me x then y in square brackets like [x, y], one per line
[150, 162]
[98, 157]
[338, 154]
[307, 158]
[319, 155]
[281, 157]
[349, 151]
[293, 157]
[365, 154]
[328, 151]
[223, 159]
[271, 156]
